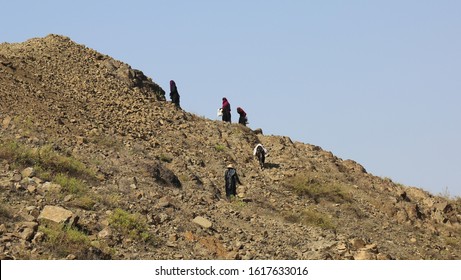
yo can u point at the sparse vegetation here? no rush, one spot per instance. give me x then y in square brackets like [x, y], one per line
[445, 194]
[132, 226]
[65, 241]
[49, 165]
[86, 202]
[312, 217]
[454, 240]
[106, 141]
[238, 202]
[70, 184]
[45, 160]
[110, 199]
[220, 148]
[318, 188]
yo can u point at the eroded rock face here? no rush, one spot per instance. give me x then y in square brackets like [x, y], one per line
[163, 175]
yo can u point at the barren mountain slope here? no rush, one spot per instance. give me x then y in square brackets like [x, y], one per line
[92, 141]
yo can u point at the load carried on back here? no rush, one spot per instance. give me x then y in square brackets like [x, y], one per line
[260, 152]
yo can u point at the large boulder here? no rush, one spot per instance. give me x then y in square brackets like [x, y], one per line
[57, 215]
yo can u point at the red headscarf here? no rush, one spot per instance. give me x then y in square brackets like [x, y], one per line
[241, 112]
[225, 104]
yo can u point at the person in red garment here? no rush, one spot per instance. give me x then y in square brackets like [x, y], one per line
[243, 116]
[226, 110]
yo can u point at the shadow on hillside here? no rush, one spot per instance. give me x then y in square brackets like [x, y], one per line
[270, 165]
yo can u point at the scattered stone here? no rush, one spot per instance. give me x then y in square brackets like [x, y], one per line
[5, 183]
[31, 188]
[50, 187]
[203, 222]
[6, 122]
[383, 257]
[28, 172]
[139, 194]
[2, 229]
[19, 186]
[173, 237]
[30, 208]
[27, 217]
[258, 131]
[38, 238]
[163, 202]
[71, 257]
[34, 213]
[17, 177]
[171, 244]
[55, 214]
[106, 233]
[81, 140]
[364, 255]
[371, 248]
[26, 230]
[443, 207]
[163, 218]
[341, 247]
[357, 243]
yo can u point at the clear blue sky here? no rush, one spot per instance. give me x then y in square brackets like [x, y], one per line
[378, 82]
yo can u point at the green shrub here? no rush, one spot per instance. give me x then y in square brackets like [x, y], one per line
[220, 148]
[49, 165]
[85, 202]
[45, 160]
[237, 202]
[131, 225]
[64, 241]
[110, 199]
[318, 188]
[51, 160]
[70, 184]
[312, 217]
[16, 153]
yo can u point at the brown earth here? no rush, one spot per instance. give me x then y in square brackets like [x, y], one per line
[95, 164]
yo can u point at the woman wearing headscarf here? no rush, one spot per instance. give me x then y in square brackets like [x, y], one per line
[226, 110]
[243, 116]
[231, 179]
[174, 95]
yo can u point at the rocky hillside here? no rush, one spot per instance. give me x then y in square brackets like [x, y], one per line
[95, 164]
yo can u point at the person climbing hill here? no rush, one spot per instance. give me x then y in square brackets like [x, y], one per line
[243, 116]
[174, 94]
[231, 178]
[260, 152]
[226, 110]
